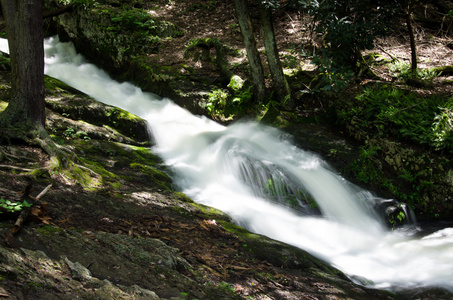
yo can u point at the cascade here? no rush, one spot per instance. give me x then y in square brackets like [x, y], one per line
[270, 186]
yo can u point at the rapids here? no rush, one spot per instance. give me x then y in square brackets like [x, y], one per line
[252, 172]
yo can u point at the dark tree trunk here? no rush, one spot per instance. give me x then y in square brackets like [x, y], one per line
[25, 37]
[256, 68]
[280, 84]
[411, 37]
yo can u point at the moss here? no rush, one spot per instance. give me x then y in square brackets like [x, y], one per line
[49, 229]
[183, 197]
[55, 86]
[3, 105]
[211, 212]
[236, 83]
[144, 154]
[115, 185]
[38, 173]
[81, 176]
[237, 230]
[278, 253]
[158, 178]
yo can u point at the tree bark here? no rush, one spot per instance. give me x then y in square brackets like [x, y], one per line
[280, 84]
[256, 68]
[411, 36]
[25, 37]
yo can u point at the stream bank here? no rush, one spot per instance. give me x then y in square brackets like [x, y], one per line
[152, 53]
[124, 233]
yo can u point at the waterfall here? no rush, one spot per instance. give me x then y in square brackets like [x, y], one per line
[270, 186]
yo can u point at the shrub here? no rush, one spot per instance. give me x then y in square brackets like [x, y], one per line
[391, 112]
[347, 27]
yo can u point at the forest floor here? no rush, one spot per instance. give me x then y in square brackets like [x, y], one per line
[102, 227]
[294, 37]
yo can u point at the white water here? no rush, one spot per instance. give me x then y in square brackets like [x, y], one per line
[209, 161]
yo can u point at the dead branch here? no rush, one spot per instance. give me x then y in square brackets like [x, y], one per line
[26, 210]
[391, 56]
[44, 191]
[444, 70]
[50, 14]
[15, 168]
[59, 11]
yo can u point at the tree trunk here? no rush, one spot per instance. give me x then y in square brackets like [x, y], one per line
[25, 37]
[411, 37]
[280, 84]
[256, 68]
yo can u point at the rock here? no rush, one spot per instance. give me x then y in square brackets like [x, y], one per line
[79, 272]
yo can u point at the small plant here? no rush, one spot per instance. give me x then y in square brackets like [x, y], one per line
[398, 219]
[403, 70]
[443, 128]
[13, 207]
[384, 111]
[296, 54]
[134, 19]
[217, 101]
[226, 287]
[332, 78]
[364, 168]
[69, 133]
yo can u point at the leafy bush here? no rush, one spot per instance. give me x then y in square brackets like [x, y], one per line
[390, 112]
[347, 27]
[226, 105]
[403, 70]
[217, 101]
[331, 77]
[135, 19]
[443, 127]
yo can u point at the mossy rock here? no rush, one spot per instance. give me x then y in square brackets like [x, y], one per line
[75, 105]
[112, 32]
[278, 253]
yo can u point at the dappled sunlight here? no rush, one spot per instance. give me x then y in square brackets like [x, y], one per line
[210, 163]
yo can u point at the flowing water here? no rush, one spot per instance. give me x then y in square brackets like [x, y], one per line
[270, 186]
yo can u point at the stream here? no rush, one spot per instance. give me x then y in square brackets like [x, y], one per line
[270, 186]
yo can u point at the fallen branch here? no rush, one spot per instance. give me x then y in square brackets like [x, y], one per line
[386, 52]
[26, 210]
[59, 11]
[15, 168]
[44, 191]
[50, 14]
[444, 71]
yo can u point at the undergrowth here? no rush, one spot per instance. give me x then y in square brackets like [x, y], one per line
[385, 111]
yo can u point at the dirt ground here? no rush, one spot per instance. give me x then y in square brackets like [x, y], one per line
[199, 19]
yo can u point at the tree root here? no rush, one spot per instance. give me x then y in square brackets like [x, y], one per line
[62, 160]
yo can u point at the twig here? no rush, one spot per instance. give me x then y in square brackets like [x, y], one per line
[26, 210]
[15, 168]
[89, 170]
[44, 191]
[391, 56]
[59, 11]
